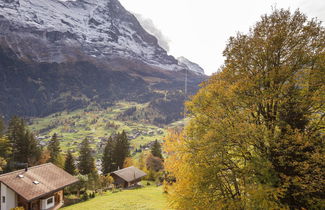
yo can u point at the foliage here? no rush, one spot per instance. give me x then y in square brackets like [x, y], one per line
[116, 151]
[141, 163]
[82, 184]
[54, 149]
[106, 181]
[86, 160]
[255, 140]
[5, 147]
[45, 156]
[156, 149]
[85, 196]
[93, 180]
[121, 150]
[92, 195]
[107, 159]
[69, 164]
[18, 208]
[154, 163]
[3, 164]
[128, 162]
[25, 147]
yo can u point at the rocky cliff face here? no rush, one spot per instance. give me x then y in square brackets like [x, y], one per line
[57, 55]
[60, 31]
[187, 64]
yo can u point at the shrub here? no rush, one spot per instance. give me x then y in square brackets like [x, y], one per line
[85, 196]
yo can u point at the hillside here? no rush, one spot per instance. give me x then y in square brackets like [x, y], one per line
[66, 55]
[149, 197]
[97, 125]
[39, 89]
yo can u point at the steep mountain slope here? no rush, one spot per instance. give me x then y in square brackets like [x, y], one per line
[64, 55]
[190, 65]
[53, 30]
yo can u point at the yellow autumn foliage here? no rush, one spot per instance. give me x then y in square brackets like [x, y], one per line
[256, 135]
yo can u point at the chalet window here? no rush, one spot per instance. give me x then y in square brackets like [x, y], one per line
[3, 199]
[47, 203]
[50, 201]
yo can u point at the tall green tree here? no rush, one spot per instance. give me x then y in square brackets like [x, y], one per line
[256, 135]
[69, 164]
[107, 161]
[122, 149]
[115, 153]
[86, 161]
[156, 149]
[25, 147]
[54, 149]
[32, 148]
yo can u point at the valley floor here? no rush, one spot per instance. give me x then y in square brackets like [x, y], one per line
[149, 197]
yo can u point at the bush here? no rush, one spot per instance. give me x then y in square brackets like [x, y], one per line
[93, 195]
[85, 196]
[151, 175]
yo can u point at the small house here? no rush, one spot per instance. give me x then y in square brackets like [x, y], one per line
[127, 177]
[35, 188]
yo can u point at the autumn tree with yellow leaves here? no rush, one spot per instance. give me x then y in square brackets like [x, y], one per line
[256, 135]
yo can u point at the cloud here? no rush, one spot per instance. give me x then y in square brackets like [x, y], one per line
[151, 28]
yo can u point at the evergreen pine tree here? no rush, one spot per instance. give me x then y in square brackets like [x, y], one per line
[26, 148]
[32, 148]
[125, 144]
[69, 164]
[121, 151]
[54, 149]
[86, 161]
[107, 160]
[156, 150]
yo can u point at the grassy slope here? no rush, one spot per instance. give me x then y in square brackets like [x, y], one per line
[150, 197]
[93, 124]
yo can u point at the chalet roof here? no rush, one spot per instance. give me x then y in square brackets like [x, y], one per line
[130, 174]
[37, 181]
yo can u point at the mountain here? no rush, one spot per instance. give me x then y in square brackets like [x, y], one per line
[54, 31]
[187, 64]
[64, 55]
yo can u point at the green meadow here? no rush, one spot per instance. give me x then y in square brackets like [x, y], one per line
[149, 197]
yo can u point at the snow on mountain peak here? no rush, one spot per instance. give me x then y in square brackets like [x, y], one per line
[52, 30]
[190, 65]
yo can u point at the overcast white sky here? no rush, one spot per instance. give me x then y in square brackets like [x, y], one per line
[199, 29]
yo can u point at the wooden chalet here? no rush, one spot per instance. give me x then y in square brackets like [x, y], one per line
[35, 188]
[127, 177]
